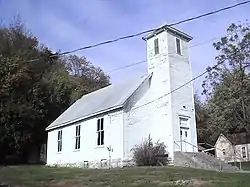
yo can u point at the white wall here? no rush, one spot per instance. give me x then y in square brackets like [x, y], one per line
[180, 73]
[153, 118]
[89, 151]
[239, 156]
[224, 143]
[230, 154]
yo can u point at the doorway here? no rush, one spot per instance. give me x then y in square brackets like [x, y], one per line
[184, 138]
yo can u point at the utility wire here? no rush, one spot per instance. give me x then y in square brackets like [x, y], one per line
[143, 61]
[147, 31]
[183, 85]
[151, 30]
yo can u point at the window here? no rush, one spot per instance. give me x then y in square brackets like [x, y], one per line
[59, 141]
[184, 122]
[178, 46]
[100, 132]
[223, 152]
[86, 164]
[156, 46]
[186, 134]
[243, 151]
[78, 137]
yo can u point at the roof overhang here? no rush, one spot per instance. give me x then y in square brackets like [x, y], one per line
[84, 118]
[92, 115]
[222, 135]
[171, 30]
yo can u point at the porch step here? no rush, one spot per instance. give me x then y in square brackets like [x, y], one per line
[201, 160]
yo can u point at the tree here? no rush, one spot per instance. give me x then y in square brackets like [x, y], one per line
[201, 116]
[227, 85]
[34, 93]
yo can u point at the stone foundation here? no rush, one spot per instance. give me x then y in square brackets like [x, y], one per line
[97, 164]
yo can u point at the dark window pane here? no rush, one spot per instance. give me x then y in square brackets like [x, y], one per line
[76, 130]
[98, 138]
[98, 124]
[58, 138]
[79, 142]
[156, 46]
[102, 137]
[79, 130]
[181, 132]
[102, 120]
[59, 147]
[178, 46]
[186, 133]
[76, 144]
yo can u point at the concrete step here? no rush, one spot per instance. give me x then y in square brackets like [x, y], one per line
[201, 160]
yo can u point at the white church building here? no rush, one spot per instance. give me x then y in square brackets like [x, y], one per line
[119, 116]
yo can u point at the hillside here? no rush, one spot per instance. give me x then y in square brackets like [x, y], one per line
[32, 176]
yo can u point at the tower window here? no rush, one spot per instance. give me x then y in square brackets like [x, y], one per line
[178, 46]
[156, 46]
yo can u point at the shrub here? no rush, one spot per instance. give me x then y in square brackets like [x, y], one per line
[150, 154]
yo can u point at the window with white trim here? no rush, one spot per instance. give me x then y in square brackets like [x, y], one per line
[100, 131]
[156, 46]
[59, 141]
[243, 152]
[178, 46]
[78, 137]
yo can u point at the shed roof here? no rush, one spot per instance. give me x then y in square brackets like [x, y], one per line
[103, 100]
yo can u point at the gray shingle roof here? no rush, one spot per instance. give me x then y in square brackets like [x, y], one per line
[103, 100]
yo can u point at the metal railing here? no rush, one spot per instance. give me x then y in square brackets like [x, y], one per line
[225, 159]
[183, 141]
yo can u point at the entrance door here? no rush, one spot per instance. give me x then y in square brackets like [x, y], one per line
[184, 137]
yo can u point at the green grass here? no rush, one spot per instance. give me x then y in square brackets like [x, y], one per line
[32, 176]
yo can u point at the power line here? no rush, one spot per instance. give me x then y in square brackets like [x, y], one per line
[151, 30]
[183, 85]
[143, 61]
[146, 31]
[127, 66]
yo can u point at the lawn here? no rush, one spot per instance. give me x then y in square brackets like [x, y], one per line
[32, 176]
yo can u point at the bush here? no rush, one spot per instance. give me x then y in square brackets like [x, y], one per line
[150, 154]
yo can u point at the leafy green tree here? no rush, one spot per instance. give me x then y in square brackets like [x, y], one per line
[33, 93]
[227, 85]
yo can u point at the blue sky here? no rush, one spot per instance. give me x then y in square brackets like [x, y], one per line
[69, 24]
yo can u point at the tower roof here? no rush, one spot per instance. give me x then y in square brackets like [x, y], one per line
[170, 30]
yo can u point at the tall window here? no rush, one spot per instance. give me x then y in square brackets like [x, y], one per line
[178, 46]
[156, 46]
[59, 141]
[243, 151]
[100, 132]
[78, 137]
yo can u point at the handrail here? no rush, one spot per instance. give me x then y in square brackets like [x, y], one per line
[236, 155]
[187, 143]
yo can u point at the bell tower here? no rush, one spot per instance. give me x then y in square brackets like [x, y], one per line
[168, 61]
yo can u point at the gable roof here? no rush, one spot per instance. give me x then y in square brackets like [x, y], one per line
[222, 135]
[103, 100]
[169, 29]
[237, 138]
